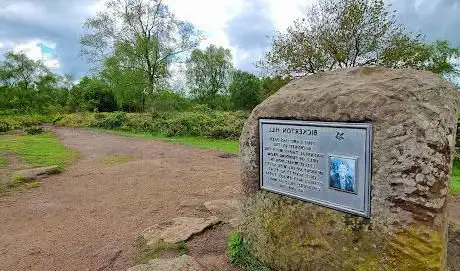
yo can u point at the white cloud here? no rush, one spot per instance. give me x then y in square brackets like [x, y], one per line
[32, 50]
[284, 12]
[209, 16]
[212, 17]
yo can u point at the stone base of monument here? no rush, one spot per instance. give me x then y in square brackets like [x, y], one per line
[294, 223]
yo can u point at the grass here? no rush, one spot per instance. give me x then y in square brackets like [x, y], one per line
[38, 150]
[240, 255]
[455, 183]
[145, 253]
[224, 145]
[116, 159]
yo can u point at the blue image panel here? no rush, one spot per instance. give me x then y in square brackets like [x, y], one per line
[343, 174]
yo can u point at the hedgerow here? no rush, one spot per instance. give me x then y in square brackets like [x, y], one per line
[200, 122]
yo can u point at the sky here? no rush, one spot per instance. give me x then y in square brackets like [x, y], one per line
[50, 30]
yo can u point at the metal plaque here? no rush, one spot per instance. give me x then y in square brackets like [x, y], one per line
[327, 163]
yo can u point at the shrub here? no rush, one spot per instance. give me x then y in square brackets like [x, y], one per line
[4, 127]
[33, 130]
[188, 123]
[168, 101]
[57, 119]
[201, 122]
[16, 122]
[109, 121]
[76, 120]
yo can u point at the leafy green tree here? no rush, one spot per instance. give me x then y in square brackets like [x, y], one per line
[147, 32]
[272, 84]
[28, 86]
[245, 90]
[209, 71]
[438, 57]
[126, 77]
[92, 94]
[341, 34]
[18, 69]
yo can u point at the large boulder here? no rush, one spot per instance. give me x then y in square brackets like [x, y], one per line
[413, 115]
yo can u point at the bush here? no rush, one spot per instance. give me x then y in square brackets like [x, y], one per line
[168, 101]
[18, 122]
[110, 121]
[240, 255]
[57, 119]
[200, 122]
[4, 127]
[76, 120]
[33, 130]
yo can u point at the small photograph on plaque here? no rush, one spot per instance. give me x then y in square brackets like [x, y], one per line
[343, 174]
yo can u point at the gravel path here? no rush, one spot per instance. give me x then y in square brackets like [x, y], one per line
[88, 217]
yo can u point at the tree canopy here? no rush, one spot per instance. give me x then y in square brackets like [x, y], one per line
[138, 38]
[28, 86]
[341, 34]
[209, 71]
[245, 90]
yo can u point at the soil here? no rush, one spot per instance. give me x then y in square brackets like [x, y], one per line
[13, 162]
[88, 217]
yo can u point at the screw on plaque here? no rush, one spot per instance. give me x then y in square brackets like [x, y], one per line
[339, 136]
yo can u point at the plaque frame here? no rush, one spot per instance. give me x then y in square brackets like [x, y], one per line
[366, 125]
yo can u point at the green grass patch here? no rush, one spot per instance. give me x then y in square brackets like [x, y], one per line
[224, 145]
[116, 159]
[145, 253]
[455, 183]
[240, 255]
[38, 150]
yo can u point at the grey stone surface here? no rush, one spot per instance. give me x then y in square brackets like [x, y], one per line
[36, 173]
[180, 229]
[225, 209]
[182, 263]
[413, 114]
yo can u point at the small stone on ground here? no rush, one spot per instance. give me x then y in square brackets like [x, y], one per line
[36, 173]
[181, 229]
[182, 263]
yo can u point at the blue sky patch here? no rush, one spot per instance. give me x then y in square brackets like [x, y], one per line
[46, 50]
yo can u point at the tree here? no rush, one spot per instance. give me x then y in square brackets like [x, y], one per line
[27, 85]
[270, 85]
[209, 71]
[245, 90]
[144, 28]
[92, 94]
[126, 77]
[18, 69]
[349, 33]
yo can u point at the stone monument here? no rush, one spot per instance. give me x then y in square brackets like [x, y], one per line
[350, 170]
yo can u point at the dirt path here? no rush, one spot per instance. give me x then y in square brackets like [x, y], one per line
[88, 217]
